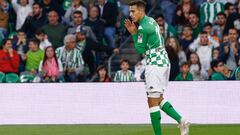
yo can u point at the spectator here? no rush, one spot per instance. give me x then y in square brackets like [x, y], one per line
[54, 30]
[183, 10]
[102, 74]
[21, 46]
[95, 23]
[209, 10]
[225, 38]
[86, 46]
[9, 59]
[171, 41]
[78, 21]
[184, 75]
[215, 53]
[71, 59]
[212, 38]
[124, 75]
[219, 28]
[22, 9]
[108, 14]
[77, 5]
[195, 68]
[229, 8]
[229, 51]
[3, 24]
[50, 5]
[186, 39]
[218, 70]
[34, 56]
[169, 30]
[194, 22]
[44, 42]
[50, 68]
[204, 50]
[34, 21]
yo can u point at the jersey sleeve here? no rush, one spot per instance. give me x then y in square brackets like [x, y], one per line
[140, 40]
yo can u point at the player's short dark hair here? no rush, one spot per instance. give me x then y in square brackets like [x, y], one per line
[207, 24]
[138, 3]
[222, 13]
[35, 41]
[124, 60]
[215, 63]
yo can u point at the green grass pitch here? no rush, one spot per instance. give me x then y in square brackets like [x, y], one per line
[115, 130]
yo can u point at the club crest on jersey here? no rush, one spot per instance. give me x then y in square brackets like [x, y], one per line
[140, 38]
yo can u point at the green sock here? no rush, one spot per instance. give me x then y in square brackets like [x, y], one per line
[155, 119]
[170, 111]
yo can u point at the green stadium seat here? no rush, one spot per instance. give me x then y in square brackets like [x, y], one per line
[12, 78]
[2, 77]
[25, 78]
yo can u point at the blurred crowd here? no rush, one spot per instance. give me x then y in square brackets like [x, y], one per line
[68, 40]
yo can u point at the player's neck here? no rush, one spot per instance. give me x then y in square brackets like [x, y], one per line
[141, 18]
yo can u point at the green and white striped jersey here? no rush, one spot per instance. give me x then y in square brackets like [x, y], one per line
[148, 40]
[120, 76]
[70, 59]
[209, 11]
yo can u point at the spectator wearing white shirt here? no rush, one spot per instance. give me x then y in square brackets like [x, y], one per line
[22, 9]
[204, 50]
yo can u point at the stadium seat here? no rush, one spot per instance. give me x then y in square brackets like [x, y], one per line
[26, 78]
[2, 77]
[12, 78]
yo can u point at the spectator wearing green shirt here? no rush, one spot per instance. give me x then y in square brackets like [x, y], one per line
[195, 23]
[34, 56]
[185, 74]
[218, 70]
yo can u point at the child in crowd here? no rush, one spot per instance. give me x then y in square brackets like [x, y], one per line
[34, 56]
[215, 53]
[195, 68]
[185, 74]
[21, 46]
[102, 74]
[124, 75]
[218, 70]
[44, 42]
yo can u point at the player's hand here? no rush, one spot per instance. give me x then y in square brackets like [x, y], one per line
[130, 26]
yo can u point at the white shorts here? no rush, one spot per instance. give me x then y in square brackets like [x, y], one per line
[156, 80]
